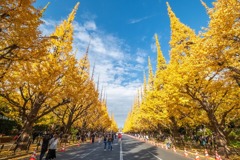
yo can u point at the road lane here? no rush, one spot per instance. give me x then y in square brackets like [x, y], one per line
[138, 150]
[90, 152]
[128, 149]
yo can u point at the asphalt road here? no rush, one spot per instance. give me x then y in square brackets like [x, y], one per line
[128, 149]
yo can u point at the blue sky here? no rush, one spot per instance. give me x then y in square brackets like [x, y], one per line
[122, 37]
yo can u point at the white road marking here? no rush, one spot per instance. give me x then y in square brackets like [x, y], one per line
[155, 155]
[89, 152]
[83, 155]
[121, 153]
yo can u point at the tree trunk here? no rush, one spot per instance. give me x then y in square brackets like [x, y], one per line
[174, 130]
[219, 130]
[69, 123]
[30, 120]
[27, 127]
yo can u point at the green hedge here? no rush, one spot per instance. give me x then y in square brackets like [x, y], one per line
[7, 127]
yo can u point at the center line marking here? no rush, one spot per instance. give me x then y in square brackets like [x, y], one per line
[121, 153]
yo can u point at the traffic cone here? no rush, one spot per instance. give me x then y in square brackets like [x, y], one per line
[33, 156]
[197, 156]
[206, 154]
[185, 152]
[217, 156]
[63, 149]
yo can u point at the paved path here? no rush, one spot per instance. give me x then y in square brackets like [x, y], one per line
[129, 149]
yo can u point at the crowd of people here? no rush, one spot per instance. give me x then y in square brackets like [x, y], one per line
[108, 140]
[49, 141]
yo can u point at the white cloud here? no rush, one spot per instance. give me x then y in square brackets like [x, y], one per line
[113, 64]
[88, 16]
[48, 26]
[153, 47]
[141, 52]
[141, 56]
[133, 21]
[121, 98]
[140, 59]
[102, 44]
[90, 25]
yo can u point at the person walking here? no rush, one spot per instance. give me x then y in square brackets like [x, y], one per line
[52, 147]
[110, 142]
[99, 138]
[44, 146]
[82, 137]
[119, 137]
[93, 137]
[168, 142]
[113, 137]
[105, 142]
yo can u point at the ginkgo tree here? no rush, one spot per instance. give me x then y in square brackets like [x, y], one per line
[224, 29]
[211, 92]
[178, 106]
[84, 96]
[154, 106]
[41, 89]
[200, 84]
[41, 77]
[21, 39]
[97, 119]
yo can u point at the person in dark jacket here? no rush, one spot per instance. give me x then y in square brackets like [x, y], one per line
[44, 147]
[93, 138]
[105, 142]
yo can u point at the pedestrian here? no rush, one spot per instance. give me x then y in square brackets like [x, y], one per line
[52, 147]
[105, 142]
[34, 136]
[93, 137]
[119, 137]
[86, 136]
[78, 136]
[99, 138]
[82, 137]
[168, 143]
[113, 137]
[44, 146]
[110, 142]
